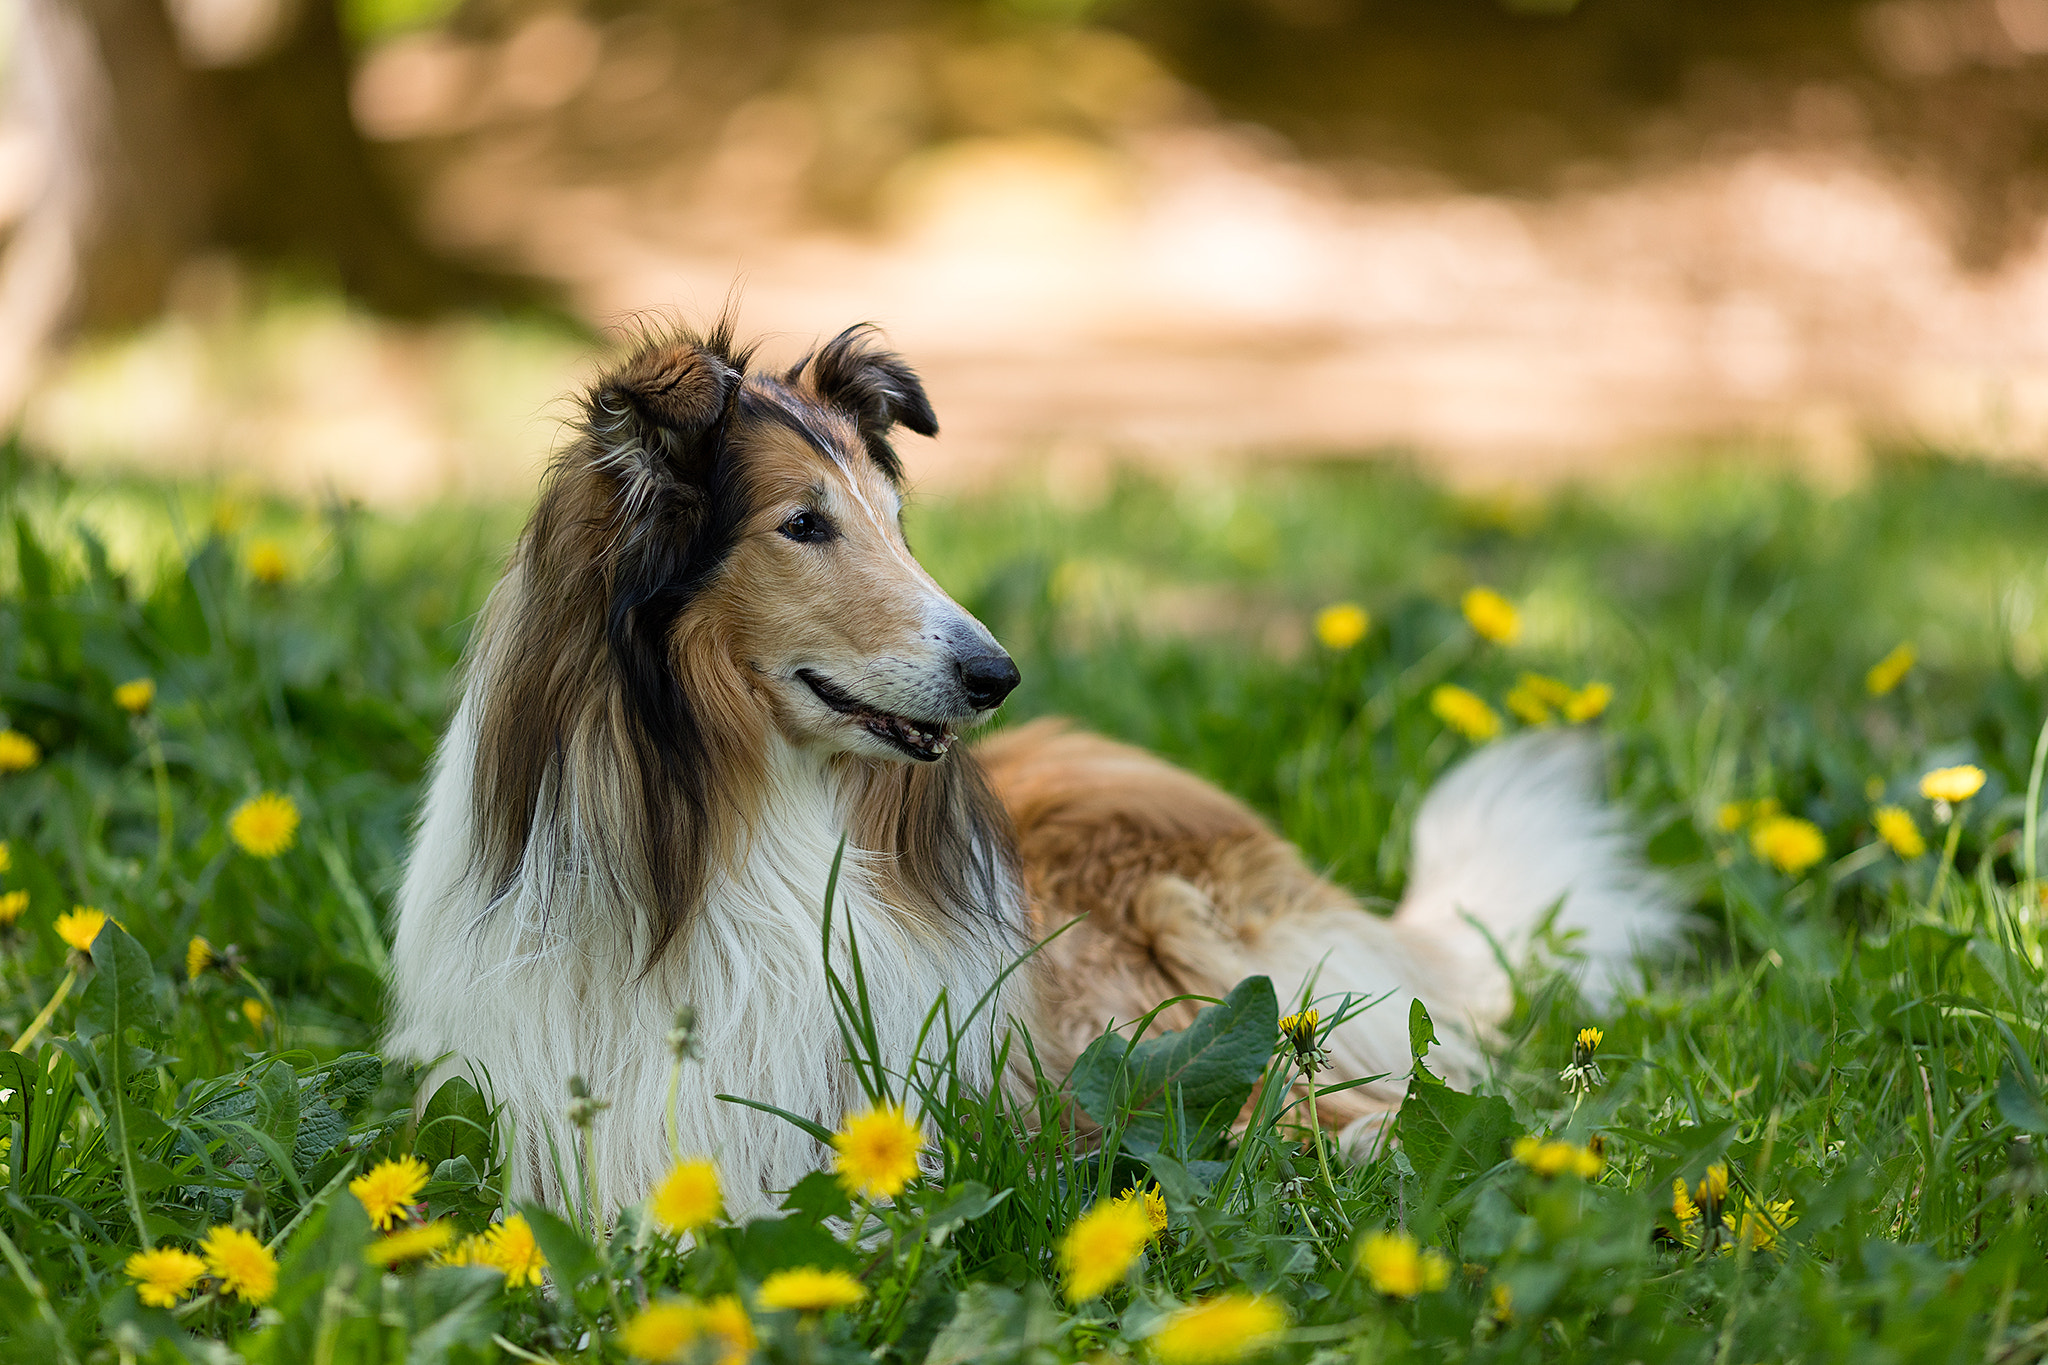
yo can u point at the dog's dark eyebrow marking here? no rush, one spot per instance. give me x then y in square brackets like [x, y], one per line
[786, 416]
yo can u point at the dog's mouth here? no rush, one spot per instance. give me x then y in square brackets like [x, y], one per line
[926, 741]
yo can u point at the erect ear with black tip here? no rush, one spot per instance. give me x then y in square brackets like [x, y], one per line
[667, 399]
[875, 386]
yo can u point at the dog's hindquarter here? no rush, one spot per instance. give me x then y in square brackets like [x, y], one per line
[1181, 889]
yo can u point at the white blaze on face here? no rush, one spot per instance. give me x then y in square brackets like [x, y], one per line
[857, 645]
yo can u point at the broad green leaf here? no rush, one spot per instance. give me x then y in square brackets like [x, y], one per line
[991, 1323]
[1451, 1136]
[962, 1204]
[818, 1196]
[446, 1307]
[122, 992]
[2020, 1106]
[1192, 1082]
[322, 1274]
[455, 1123]
[770, 1244]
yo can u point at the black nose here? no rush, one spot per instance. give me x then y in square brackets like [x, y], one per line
[988, 678]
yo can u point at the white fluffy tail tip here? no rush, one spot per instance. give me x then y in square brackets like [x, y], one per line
[1522, 827]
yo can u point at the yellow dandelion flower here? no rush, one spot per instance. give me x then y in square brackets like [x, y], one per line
[1396, 1266]
[18, 753]
[1554, 693]
[1889, 671]
[389, 1188]
[1153, 1201]
[1528, 707]
[808, 1289]
[662, 1331]
[1895, 825]
[1589, 1039]
[12, 903]
[198, 957]
[1533, 1152]
[1759, 1231]
[1788, 843]
[1500, 1303]
[509, 1249]
[246, 1268]
[1216, 1331]
[1099, 1248]
[409, 1244]
[256, 1012]
[265, 825]
[471, 1250]
[687, 1197]
[81, 926]
[164, 1276]
[1466, 712]
[1952, 784]
[1491, 616]
[6, 857]
[1557, 1157]
[1588, 703]
[877, 1151]
[1342, 625]
[1713, 1189]
[267, 563]
[724, 1320]
[1682, 1206]
[1299, 1031]
[135, 696]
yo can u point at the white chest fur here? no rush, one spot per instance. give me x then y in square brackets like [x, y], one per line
[547, 982]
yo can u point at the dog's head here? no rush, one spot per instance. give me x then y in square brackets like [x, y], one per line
[760, 546]
[717, 561]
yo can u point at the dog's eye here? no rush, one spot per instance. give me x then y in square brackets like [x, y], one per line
[808, 527]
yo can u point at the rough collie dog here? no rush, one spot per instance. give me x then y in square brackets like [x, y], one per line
[713, 656]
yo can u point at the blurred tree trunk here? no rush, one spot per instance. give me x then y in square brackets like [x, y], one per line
[154, 158]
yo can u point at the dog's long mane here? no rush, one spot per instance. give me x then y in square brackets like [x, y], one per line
[613, 731]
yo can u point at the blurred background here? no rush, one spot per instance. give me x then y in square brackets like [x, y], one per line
[366, 246]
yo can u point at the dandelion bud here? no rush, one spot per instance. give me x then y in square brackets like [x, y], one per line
[1584, 1073]
[1299, 1032]
[583, 1107]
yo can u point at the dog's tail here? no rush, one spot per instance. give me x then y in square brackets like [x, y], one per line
[1518, 837]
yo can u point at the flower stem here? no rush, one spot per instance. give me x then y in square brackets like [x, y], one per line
[41, 1021]
[1315, 1135]
[675, 1093]
[1948, 858]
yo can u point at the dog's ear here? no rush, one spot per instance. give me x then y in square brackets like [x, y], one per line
[668, 403]
[854, 373]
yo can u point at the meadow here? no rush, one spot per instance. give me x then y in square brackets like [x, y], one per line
[1812, 1135]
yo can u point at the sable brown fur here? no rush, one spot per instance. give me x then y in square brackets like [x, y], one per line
[1171, 879]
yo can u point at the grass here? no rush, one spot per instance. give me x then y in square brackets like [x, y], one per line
[1863, 1040]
